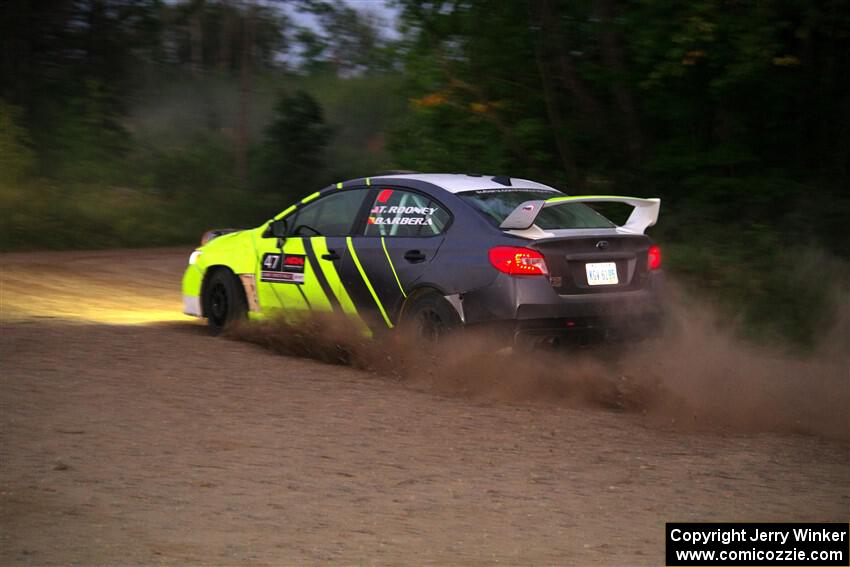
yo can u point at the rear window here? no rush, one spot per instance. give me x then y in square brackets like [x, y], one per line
[496, 205]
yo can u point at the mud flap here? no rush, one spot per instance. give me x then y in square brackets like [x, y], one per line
[249, 285]
[456, 302]
[192, 305]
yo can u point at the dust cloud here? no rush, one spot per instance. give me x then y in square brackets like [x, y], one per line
[698, 375]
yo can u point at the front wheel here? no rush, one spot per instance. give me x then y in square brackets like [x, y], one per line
[224, 301]
[431, 317]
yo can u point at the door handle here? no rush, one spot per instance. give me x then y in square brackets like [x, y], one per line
[414, 256]
[331, 255]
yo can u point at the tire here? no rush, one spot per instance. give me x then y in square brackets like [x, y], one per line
[430, 317]
[224, 301]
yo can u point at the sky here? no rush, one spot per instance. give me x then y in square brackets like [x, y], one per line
[384, 9]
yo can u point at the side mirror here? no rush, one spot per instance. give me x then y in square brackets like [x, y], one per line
[278, 228]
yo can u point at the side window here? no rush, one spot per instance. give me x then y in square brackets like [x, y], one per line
[331, 215]
[396, 212]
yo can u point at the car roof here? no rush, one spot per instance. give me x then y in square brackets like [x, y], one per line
[459, 182]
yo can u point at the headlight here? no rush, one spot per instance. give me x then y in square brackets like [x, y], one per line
[194, 257]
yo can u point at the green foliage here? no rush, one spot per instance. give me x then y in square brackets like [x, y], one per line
[360, 111]
[124, 119]
[474, 99]
[192, 169]
[291, 159]
[87, 142]
[43, 215]
[16, 157]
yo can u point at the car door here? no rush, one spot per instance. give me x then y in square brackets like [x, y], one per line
[299, 273]
[395, 244]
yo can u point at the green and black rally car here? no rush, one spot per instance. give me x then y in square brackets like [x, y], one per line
[437, 251]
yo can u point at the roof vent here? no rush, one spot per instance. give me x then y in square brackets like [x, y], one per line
[502, 180]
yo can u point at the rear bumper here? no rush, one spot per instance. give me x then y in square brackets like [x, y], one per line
[587, 328]
[531, 305]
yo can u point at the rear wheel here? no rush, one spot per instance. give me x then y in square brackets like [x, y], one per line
[431, 317]
[224, 301]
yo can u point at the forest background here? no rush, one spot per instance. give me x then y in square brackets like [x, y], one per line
[136, 123]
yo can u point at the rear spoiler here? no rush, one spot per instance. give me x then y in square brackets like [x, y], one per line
[644, 214]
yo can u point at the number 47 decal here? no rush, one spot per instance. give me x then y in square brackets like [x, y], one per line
[270, 262]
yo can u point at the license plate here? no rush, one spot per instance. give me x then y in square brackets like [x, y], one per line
[601, 273]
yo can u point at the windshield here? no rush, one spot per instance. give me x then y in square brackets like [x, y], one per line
[497, 204]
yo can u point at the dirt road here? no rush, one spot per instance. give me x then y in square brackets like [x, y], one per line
[130, 437]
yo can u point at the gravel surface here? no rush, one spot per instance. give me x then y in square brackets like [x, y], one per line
[128, 436]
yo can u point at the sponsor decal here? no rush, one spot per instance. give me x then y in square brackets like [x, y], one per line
[283, 268]
[281, 277]
[383, 214]
[400, 220]
[293, 261]
[398, 210]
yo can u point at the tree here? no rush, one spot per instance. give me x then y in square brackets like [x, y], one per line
[16, 156]
[348, 41]
[290, 161]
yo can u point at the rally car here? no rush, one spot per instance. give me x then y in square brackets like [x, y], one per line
[437, 252]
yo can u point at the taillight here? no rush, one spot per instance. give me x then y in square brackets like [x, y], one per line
[518, 261]
[653, 258]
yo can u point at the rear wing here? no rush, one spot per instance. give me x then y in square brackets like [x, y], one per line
[644, 214]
